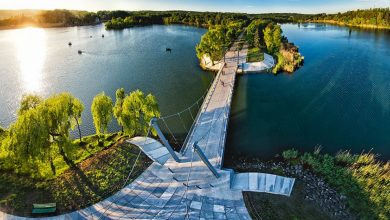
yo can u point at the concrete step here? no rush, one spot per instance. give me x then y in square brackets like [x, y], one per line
[263, 182]
[152, 148]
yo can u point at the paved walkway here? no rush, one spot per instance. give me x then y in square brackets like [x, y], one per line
[253, 67]
[171, 190]
[152, 148]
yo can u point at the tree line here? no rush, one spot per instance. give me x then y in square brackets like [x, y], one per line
[377, 17]
[217, 40]
[134, 20]
[121, 19]
[60, 17]
[41, 131]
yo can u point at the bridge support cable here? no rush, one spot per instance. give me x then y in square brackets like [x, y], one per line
[183, 123]
[154, 124]
[193, 119]
[178, 114]
[170, 131]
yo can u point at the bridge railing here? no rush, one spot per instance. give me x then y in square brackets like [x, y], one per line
[203, 107]
[226, 118]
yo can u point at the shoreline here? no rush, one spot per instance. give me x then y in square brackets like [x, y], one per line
[53, 25]
[343, 24]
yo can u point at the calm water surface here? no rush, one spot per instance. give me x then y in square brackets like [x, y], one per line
[40, 61]
[340, 99]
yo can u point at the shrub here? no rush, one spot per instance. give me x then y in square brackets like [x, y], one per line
[290, 154]
[363, 179]
[345, 158]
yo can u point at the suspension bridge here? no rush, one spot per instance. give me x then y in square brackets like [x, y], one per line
[191, 183]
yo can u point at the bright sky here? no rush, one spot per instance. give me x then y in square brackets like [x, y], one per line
[249, 6]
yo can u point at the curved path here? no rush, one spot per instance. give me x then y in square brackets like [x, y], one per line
[172, 190]
[267, 64]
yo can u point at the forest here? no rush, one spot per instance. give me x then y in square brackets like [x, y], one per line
[376, 18]
[61, 18]
[205, 19]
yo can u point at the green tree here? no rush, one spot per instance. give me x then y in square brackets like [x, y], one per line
[257, 39]
[277, 38]
[268, 38]
[212, 44]
[255, 26]
[120, 96]
[28, 102]
[77, 109]
[137, 112]
[28, 137]
[101, 112]
[42, 132]
[273, 38]
[61, 111]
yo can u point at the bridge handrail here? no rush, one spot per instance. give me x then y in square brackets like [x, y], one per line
[227, 113]
[202, 107]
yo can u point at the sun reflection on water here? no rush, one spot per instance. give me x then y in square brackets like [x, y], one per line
[30, 45]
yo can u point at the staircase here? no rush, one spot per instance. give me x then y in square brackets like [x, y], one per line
[152, 148]
[262, 182]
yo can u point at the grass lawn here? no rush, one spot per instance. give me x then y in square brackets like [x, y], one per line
[254, 55]
[275, 207]
[99, 172]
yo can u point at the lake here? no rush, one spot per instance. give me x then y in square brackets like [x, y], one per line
[339, 99]
[40, 61]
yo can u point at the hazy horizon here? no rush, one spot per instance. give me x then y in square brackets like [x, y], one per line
[247, 6]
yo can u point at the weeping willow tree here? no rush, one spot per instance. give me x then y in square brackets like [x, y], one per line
[120, 96]
[102, 109]
[137, 112]
[41, 130]
[29, 101]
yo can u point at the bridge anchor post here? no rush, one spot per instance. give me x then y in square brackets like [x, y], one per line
[205, 160]
[154, 124]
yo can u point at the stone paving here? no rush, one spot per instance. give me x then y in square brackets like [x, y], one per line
[152, 148]
[254, 67]
[185, 190]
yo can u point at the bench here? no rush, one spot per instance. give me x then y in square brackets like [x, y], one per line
[44, 208]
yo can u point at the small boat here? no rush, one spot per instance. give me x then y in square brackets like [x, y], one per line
[168, 49]
[102, 35]
[70, 43]
[80, 52]
[90, 36]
